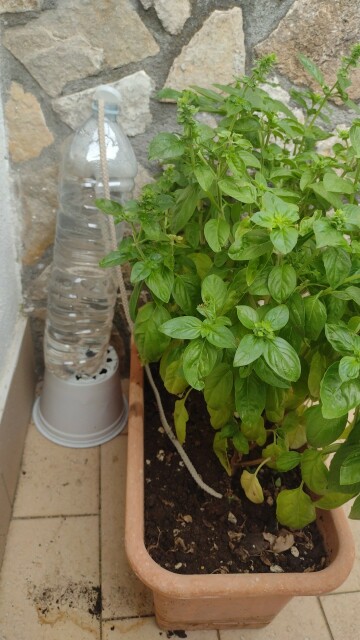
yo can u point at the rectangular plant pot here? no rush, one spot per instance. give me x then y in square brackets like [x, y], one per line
[218, 601]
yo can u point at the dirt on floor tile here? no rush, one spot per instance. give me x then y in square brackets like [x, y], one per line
[50, 600]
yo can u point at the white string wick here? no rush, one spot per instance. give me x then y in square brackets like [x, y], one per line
[123, 295]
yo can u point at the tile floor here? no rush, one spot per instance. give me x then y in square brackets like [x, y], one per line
[66, 540]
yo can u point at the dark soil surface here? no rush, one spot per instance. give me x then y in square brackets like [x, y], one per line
[188, 531]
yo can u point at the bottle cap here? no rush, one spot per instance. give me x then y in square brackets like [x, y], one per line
[110, 96]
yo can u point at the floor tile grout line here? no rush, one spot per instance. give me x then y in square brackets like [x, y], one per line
[326, 620]
[340, 593]
[218, 634]
[52, 517]
[119, 618]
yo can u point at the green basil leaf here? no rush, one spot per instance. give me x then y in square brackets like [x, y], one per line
[335, 309]
[275, 404]
[229, 430]
[112, 208]
[134, 299]
[255, 431]
[267, 375]
[350, 468]
[326, 235]
[240, 443]
[341, 339]
[349, 368]
[332, 500]
[183, 328]
[252, 245]
[313, 471]
[220, 417]
[317, 370]
[284, 239]
[320, 431]
[340, 456]
[216, 233]
[192, 234]
[294, 427]
[173, 378]
[279, 208]
[333, 182]
[247, 316]
[150, 341]
[214, 292]
[218, 386]
[243, 193]
[199, 360]
[249, 398]
[282, 359]
[264, 219]
[249, 159]
[218, 335]
[126, 252]
[355, 138]
[294, 508]
[202, 263]
[355, 510]
[185, 206]
[354, 293]
[337, 265]
[315, 317]
[181, 418]
[312, 69]
[338, 397]
[160, 282]
[277, 317]
[249, 349]
[282, 282]
[297, 312]
[352, 213]
[173, 353]
[288, 460]
[220, 450]
[166, 146]
[259, 286]
[332, 198]
[186, 293]
[204, 175]
[252, 271]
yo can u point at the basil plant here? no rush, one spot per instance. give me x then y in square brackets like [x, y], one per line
[248, 246]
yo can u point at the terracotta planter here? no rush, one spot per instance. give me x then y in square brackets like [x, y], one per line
[218, 601]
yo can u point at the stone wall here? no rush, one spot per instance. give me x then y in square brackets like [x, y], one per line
[56, 52]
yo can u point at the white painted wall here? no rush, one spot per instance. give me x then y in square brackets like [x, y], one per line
[10, 283]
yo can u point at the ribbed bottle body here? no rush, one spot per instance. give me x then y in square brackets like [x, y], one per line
[82, 295]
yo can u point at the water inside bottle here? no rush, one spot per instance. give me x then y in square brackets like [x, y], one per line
[81, 295]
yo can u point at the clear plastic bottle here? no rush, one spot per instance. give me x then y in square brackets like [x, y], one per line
[81, 295]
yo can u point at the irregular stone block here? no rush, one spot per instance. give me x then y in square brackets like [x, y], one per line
[81, 39]
[147, 3]
[135, 91]
[69, 60]
[27, 131]
[173, 14]
[324, 31]
[216, 53]
[38, 187]
[19, 6]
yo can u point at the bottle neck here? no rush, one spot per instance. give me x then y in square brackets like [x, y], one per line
[110, 112]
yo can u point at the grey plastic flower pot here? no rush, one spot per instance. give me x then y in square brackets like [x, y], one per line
[82, 412]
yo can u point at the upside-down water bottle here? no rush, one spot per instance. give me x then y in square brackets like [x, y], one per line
[81, 295]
